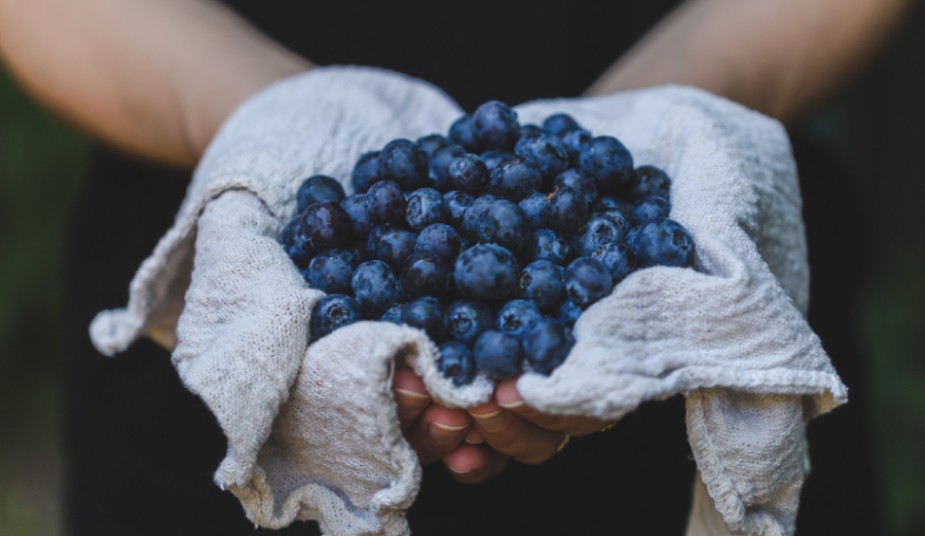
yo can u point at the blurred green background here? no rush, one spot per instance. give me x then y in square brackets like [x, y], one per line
[875, 126]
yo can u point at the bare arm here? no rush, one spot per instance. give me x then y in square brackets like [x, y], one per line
[155, 78]
[777, 56]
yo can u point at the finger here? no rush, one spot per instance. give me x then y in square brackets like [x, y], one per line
[437, 432]
[508, 398]
[411, 396]
[509, 434]
[473, 437]
[471, 464]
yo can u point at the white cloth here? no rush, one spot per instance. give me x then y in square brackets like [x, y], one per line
[312, 430]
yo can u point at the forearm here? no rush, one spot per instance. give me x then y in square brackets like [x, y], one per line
[777, 56]
[153, 77]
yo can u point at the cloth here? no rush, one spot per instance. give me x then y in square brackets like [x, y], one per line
[686, 331]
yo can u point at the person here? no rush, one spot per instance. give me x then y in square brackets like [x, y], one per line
[155, 80]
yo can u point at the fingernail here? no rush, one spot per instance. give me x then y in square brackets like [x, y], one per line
[450, 467]
[412, 394]
[515, 404]
[473, 437]
[484, 416]
[443, 433]
[448, 427]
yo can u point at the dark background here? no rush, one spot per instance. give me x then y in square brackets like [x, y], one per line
[873, 131]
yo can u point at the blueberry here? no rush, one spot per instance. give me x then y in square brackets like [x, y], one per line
[516, 178]
[546, 345]
[498, 355]
[439, 239]
[493, 158]
[466, 320]
[468, 173]
[546, 151]
[543, 283]
[425, 206]
[568, 209]
[375, 288]
[457, 363]
[325, 225]
[574, 140]
[661, 243]
[385, 202]
[649, 208]
[547, 245]
[516, 316]
[607, 203]
[530, 131]
[427, 314]
[608, 161]
[648, 180]
[462, 133]
[559, 123]
[355, 207]
[596, 233]
[425, 274]
[365, 172]
[486, 272]
[620, 215]
[394, 314]
[330, 271]
[457, 202]
[618, 259]
[439, 166]
[331, 312]
[536, 209]
[503, 223]
[470, 219]
[495, 125]
[391, 245]
[568, 313]
[296, 244]
[574, 178]
[431, 143]
[404, 162]
[317, 189]
[586, 281]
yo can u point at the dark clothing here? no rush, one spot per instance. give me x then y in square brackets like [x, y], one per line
[141, 450]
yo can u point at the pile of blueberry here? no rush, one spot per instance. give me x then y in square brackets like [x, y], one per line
[492, 239]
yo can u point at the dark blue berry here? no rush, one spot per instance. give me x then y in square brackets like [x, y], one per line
[440, 164]
[546, 151]
[427, 314]
[296, 244]
[331, 312]
[503, 223]
[431, 143]
[574, 140]
[385, 202]
[470, 219]
[574, 178]
[326, 225]
[375, 287]
[425, 206]
[543, 283]
[516, 178]
[607, 203]
[355, 207]
[457, 363]
[618, 259]
[608, 161]
[594, 234]
[457, 202]
[516, 316]
[661, 243]
[648, 180]
[498, 355]
[559, 123]
[425, 274]
[568, 210]
[441, 240]
[391, 245]
[650, 208]
[404, 162]
[493, 158]
[546, 345]
[468, 173]
[620, 215]
[330, 271]
[462, 133]
[536, 209]
[394, 314]
[547, 245]
[530, 131]
[466, 320]
[365, 172]
[586, 281]
[318, 189]
[486, 272]
[568, 313]
[495, 126]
